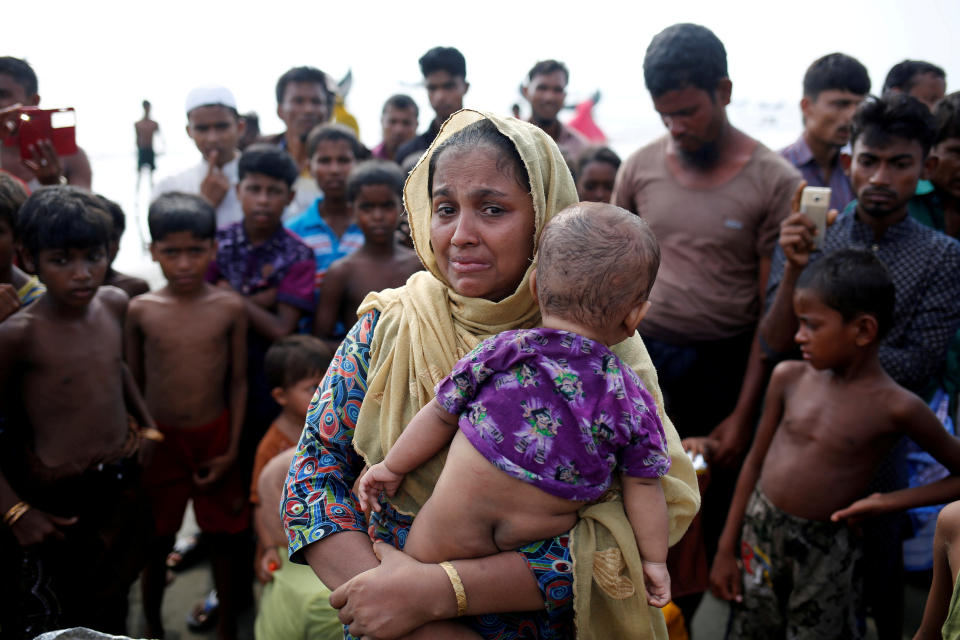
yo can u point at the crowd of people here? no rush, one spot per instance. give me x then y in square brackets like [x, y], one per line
[326, 372]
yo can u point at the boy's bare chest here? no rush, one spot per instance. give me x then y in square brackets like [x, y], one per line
[840, 423]
[79, 362]
[184, 330]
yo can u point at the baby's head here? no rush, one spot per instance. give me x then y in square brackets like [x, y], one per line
[595, 268]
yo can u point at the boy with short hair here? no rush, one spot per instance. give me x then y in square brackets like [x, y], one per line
[294, 367]
[374, 195]
[328, 226]
[132, 285]
[827, 425]
[17, 289]
[272, 269]
[73, 512]
[538, 420]
[186, 347]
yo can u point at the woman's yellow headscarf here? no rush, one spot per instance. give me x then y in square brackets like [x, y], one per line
[425, 328]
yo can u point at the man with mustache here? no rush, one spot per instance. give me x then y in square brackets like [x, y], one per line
[833, 86]
[892, 138]
[546, 91]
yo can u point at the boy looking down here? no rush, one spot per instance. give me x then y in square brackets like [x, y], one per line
[827, 425]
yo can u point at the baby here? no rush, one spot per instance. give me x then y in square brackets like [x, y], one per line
[546, 415]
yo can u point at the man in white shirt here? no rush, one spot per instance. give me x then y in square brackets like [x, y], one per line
[215, 126]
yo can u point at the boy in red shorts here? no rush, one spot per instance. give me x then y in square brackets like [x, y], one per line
[186, 347]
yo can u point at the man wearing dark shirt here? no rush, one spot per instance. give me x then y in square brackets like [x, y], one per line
[891, 140]
[444, 72]
[833, 86]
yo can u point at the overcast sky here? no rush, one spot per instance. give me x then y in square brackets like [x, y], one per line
[104, 57]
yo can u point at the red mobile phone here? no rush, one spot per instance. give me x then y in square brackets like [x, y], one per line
[57, 125]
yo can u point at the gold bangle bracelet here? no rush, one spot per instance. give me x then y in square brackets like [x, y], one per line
[15, 513]
[457, 587]
[152, 434]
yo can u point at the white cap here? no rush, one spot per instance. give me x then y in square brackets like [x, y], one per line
[210, 95]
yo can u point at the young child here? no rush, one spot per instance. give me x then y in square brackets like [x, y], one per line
[132, 285]
[294, 368]
[941, 615]
[17, 289]
[827, 424]
[186, 347]
[328, 226]
[545, 415]
[374, 194]
[75, 518]
[272, 269]
[595, 173]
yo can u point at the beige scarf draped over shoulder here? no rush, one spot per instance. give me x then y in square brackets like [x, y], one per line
[425, 328]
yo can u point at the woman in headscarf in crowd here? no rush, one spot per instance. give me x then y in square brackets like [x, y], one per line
[477, 203]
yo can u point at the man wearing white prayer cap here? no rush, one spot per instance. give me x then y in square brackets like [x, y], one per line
[215, 127]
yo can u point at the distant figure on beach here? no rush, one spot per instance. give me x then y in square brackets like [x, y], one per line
[251, 131]
[146, 129]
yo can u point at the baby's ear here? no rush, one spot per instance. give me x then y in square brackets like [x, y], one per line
[533, 283]
[632, 321]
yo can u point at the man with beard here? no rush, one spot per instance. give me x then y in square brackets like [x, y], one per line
[833, 87]
[714, 197]
[546, 90]
[892, 138]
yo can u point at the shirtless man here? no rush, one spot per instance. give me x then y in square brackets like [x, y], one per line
[185, 345]
[714, 197]
[146, 129]
[18, 86]
[374, 194]
[68, 488]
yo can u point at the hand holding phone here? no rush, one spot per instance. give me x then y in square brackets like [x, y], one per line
[815, 203]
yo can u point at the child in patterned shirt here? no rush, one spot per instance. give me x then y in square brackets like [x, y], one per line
[546, 415]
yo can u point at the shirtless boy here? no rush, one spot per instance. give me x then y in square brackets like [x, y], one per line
[186, 346]
[374, 194]
[74, 517]
[827, 425]
[545, 415]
